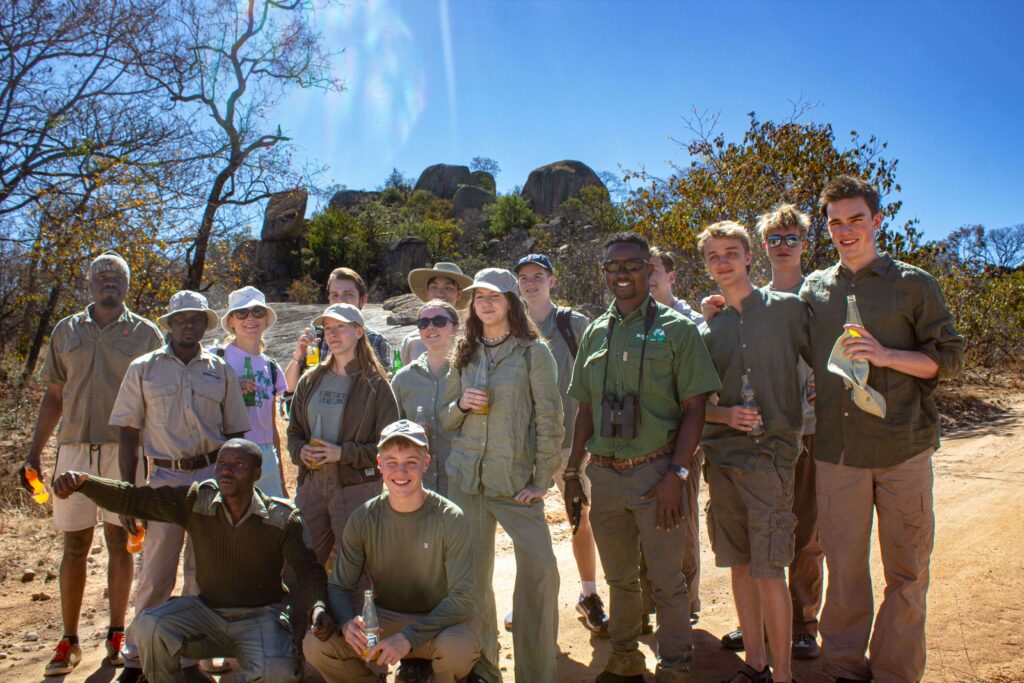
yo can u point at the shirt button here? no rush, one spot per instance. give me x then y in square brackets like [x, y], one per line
[743, 345]
[846, 414]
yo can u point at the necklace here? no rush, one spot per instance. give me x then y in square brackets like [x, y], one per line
[495, 341]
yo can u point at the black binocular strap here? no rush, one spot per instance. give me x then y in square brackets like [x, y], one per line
[649, 317]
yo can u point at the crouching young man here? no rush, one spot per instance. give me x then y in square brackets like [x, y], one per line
[414, 544]
[755, 342]
[241, 539]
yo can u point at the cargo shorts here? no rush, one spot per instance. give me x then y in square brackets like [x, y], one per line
[750, 517]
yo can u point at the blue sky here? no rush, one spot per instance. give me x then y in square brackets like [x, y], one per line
[608, 83]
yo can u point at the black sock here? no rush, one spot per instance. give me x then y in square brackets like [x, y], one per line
[71, 639]
[111, 630]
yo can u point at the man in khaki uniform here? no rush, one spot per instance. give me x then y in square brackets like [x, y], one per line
[182, 403]
[868, 464]
[86, 359]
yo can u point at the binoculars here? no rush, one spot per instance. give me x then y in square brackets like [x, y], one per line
[619, 416]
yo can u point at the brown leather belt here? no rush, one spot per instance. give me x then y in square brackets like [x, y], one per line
[192, 464]
[624, 464]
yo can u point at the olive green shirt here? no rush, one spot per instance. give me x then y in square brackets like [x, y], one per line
[89, 362]
[903, 307]
[803, 371]
[676, 367]
[564, 361]
[765, 342]
[415, 385]
[419, 562]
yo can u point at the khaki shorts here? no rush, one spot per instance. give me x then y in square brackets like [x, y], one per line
[76, 512]
[584, 479]
[750, 517]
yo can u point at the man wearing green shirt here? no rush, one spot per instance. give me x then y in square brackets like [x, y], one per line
[642, 376]
[866, 464]
[241, 539]
[752, 443]
[414, 545]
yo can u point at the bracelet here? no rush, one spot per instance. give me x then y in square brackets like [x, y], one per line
[571, 475]
[297, 360]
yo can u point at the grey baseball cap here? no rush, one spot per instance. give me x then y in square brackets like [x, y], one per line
[406, 429]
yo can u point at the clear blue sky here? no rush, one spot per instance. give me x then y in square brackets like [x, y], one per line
[608, 83]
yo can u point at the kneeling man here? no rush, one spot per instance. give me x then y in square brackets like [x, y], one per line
[414, 544]
[241, 539]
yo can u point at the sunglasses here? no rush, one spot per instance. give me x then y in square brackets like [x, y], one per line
[436, 321]
[243, 313]
[629, 265]
[775, 241]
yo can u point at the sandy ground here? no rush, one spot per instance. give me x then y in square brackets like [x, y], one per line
[975, 617]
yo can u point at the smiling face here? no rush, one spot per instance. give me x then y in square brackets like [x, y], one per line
[187, 327]
[853, 229]
[443, 288]
[249, 328]
[344, 292]
[630, 287]
[341, 337]
[535, 284]
[491, 307]
[236, 471]
[403, 464]
[108, 288]
[660, 283]
[437, 337]
[727, 260]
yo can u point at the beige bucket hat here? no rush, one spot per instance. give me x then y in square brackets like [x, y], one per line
[187, 301]
[247, 297]
[419, 277]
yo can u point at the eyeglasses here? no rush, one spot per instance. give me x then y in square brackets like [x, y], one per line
[436, 321]
[629, 265]
[243, 313]
[775, 241]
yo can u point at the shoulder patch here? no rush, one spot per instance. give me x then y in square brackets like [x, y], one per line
[206, 493]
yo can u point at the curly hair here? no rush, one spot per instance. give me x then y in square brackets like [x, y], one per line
[848, 187]
[521, 325]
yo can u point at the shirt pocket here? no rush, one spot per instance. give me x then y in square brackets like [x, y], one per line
[208, 397]
[594, 370]
[657, 366]
[131, 347]
[160, 398]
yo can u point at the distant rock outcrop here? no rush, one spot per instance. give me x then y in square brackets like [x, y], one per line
[285, 217]
[548, 186]
[443, 180]
[402, 256]
[351, 201]
[471, 198]
[485, 180]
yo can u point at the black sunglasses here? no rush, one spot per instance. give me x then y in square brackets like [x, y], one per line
[436, 321]
[630, 265]
[243, 313]
[791, 240]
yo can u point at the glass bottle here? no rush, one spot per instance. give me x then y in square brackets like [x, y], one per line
[750, 402]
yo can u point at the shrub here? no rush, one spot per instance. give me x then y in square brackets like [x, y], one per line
[304, 290]
[508, 213]
[336, 238]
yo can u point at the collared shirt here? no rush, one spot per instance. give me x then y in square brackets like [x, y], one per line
[414, 386]
[412, 347]
[89, 363]
[803, 371]
[676, 367]
[764, 342]
[564, 361]
[256, 507]
[903, 308]
[680, 306]
[182, 410]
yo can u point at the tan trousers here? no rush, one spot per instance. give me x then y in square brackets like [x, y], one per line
[326, 505]
[805, 573]
[902, 497]
[453, 652]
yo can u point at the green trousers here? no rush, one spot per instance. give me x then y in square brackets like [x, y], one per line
[535, 597]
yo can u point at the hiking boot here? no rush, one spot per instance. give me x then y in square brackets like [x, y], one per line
[65, 658]
[805, 646]
[415, 671]
[114, 644]
[733, 640]
[591, 609]
[131, 675]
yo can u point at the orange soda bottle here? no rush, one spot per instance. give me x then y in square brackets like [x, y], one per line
[134, 544]
[38, 490]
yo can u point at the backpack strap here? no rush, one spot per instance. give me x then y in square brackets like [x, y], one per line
[563, 320]
[272, 366]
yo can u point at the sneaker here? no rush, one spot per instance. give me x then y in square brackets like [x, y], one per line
[65, 658]
[131, 675]
[805, 646]
[508, 622]
[591, 609]
[733, 640]
[114, 644]
[415, 671]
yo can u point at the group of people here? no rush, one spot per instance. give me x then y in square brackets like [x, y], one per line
[804, 404]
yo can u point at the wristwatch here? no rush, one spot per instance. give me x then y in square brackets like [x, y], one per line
[680, 471]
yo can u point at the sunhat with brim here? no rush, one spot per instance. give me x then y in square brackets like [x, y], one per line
[405, 429]
[420, 277]
[855, 377]
[247, 297]
[345, 313]
[187, 301]
[496, 280]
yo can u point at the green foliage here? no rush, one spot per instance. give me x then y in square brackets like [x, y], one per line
[593, 206]
[337, 238]
[440, 235]
[509, 213]
[988, 309]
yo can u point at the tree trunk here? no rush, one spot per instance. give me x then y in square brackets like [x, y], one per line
[194, 275]
[41, 329]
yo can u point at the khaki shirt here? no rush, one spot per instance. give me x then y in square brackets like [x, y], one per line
[414, 385]
[89, 362]
[765, 342]
[564, 361]
[182, 410]
[676, 367]
[903, 308]
[412, 347]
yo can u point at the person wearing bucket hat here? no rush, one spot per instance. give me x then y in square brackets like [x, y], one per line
[423, 591]
[247, 319]
[86, 358]
[445, 282]
[338, 411]
[503, 406]
[756, 341]
[181, 402]
[866, 463]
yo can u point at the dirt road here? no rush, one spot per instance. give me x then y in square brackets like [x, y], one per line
[976, 603]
